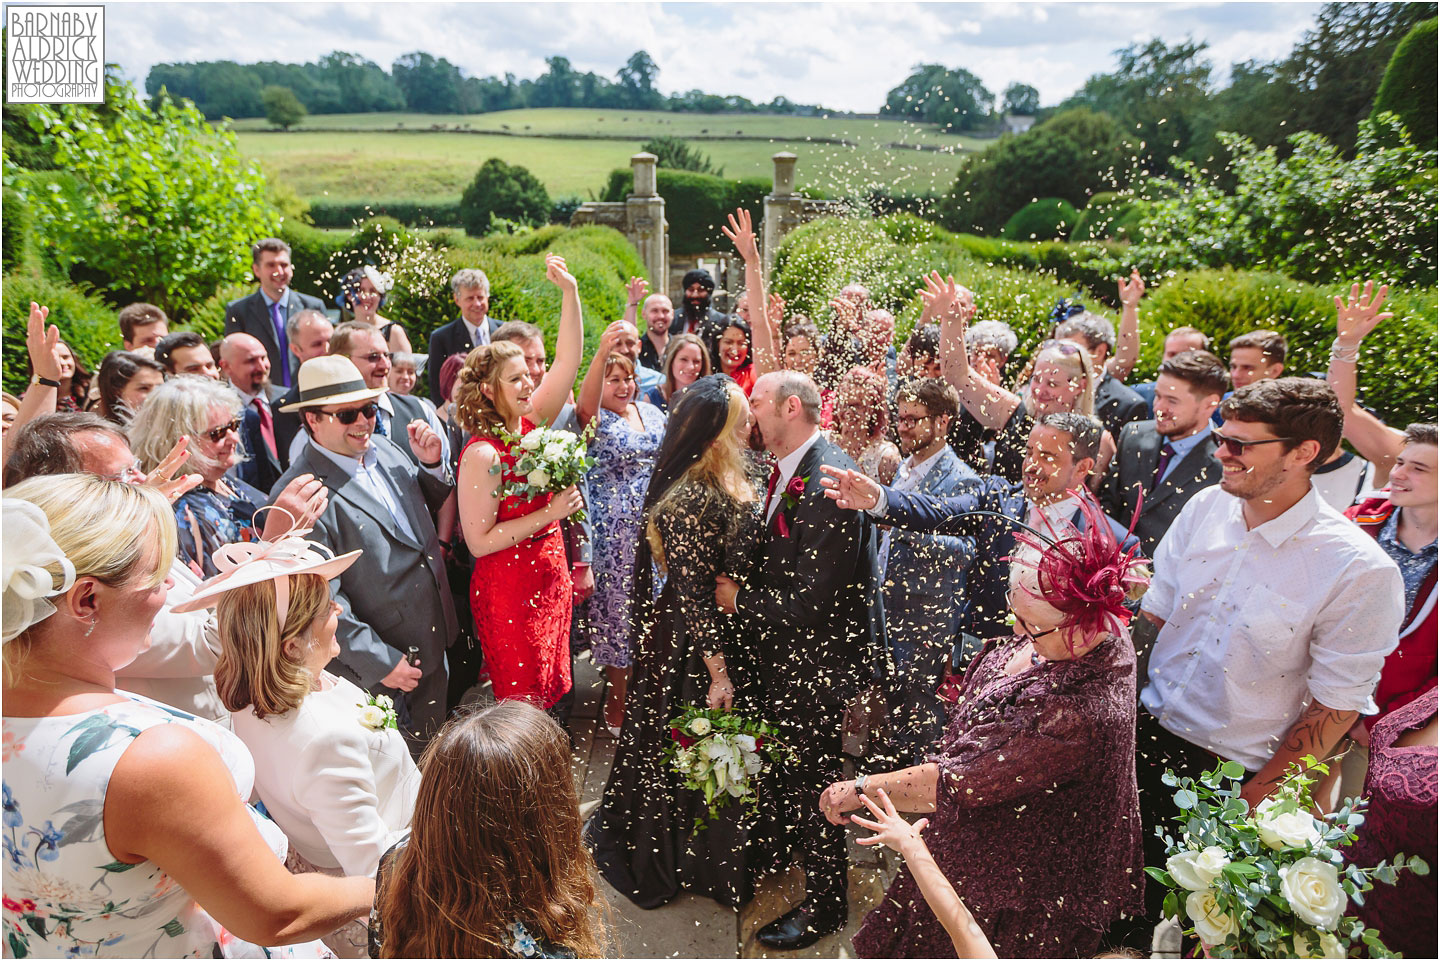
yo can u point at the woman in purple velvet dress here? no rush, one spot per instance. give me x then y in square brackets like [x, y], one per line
[1035, 820]
[1401, 786]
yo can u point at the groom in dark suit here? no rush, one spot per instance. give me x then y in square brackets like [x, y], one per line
[264, 314]
[814, 617]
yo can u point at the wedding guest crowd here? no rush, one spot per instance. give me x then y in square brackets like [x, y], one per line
[975, 578]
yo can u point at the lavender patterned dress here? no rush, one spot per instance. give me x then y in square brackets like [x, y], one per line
[624, 458]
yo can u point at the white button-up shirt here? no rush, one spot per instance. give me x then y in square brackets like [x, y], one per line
[1259, 622]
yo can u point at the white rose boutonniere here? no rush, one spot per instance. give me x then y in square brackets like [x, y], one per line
[378, 713]
[1312, 888]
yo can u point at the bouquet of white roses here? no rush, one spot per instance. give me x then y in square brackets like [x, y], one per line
[549, 460]
[717, 752]
[1272, 883]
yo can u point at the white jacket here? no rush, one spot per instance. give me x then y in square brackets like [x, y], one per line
[178, 667]
[342, 792]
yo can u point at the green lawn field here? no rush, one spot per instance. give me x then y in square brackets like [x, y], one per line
[398, 161]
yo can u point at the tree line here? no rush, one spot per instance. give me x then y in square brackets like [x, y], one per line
[418, 82]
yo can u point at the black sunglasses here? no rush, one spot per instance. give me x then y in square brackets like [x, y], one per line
[1236, 447]
[218, 434]
[348, 417]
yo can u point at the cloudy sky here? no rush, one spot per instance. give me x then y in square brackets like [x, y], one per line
[842, 55]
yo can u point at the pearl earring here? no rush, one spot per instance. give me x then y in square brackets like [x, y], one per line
[91, 629]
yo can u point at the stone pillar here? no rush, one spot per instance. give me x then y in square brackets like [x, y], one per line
[645, 223]
[780, 216]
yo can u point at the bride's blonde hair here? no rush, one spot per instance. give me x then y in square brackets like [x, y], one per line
[720, 471]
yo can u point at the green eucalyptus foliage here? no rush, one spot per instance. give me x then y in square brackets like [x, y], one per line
[159, 202]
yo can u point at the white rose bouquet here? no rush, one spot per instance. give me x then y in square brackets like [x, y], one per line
[717, 752]
[549, 460]
[1272, 883]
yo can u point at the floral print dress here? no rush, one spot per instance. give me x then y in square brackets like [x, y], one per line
[65, 894]
[624, 459]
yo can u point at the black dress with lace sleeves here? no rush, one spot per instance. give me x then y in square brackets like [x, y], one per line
[642, 834]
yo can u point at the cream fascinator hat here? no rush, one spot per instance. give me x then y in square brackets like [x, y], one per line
[27, 554]
[244, 563]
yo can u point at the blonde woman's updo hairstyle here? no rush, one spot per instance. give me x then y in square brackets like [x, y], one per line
[254, 670]
[475, 412]
[120, 534]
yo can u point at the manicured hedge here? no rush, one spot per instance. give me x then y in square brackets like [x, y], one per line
[1109, 216]
[695, 204]
[411, 213]
[85, 322]
[1049, 218]
[1397, 369]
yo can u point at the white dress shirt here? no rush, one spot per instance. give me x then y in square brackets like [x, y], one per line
[1259, 622]
[788, 465]
[342, 792]
[365, 469]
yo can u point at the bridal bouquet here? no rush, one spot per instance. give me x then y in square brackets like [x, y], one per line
[717, 752]
[549, 460]
[1270, 883]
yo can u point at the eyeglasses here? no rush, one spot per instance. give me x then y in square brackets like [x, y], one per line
[905, 420]
[372, 359]
[1026, 627]
[1236, 447]
[1067, 347]
[218, 434]
[348, 417]
[128, 475]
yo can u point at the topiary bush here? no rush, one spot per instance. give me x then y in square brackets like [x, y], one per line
[1408, 88]
[1397, 370]
[1109, 216]
[503, 190]
[1049, 218]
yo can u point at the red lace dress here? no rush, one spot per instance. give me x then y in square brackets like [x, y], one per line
[521, 601]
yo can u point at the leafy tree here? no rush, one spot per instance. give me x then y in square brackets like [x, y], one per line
[504, 191]
[1314, 215]
[282, 107]
[558, 86]
[954, 99]
[675, 153]
[1068, 156]
[1338, 65]
[363, 85]
[1022, 99]
[430, 85]
[637, 80]
[1408, 89]
[165, 205]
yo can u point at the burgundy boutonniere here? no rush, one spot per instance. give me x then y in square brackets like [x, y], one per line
[789, 498]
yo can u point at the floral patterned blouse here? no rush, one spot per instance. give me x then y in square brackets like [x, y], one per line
[65, 894]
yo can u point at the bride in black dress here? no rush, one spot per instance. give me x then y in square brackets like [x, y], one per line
[701, 517]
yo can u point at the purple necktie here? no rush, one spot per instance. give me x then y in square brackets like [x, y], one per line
[1166, 453]
[277, 315]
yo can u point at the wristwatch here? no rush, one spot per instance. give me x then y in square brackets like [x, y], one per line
[860, 783]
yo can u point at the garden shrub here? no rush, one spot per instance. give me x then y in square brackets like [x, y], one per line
[1408, 88]
[1049, 218]
[1397, 369]
[507, 191]
[411, 213]
[1109, 216]
[86, 323]
[696, 204]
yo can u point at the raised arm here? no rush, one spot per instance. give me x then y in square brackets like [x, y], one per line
[634, 297]
[554, 388]
[1355, 318]
[41, 342]
[989, 403]
[1127, 344]
[762, 337]
[587, 405]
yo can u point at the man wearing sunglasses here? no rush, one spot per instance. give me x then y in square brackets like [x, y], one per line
[366, 348]
[1274, 612]
[396, 596]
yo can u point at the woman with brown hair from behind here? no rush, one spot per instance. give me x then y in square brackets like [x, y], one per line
[494, 866]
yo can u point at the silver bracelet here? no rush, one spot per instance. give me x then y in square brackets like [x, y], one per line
[860, 784]
[1345, 355]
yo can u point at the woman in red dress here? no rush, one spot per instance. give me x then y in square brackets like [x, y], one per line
[520, 591]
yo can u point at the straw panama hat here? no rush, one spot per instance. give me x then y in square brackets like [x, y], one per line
[244, 563]
[331, 379]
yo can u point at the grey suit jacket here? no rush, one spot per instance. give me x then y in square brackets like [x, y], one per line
[250, 315]
[396, 594]
[1137, 454]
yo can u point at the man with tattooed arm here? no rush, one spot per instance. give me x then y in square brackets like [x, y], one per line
[1274, 614]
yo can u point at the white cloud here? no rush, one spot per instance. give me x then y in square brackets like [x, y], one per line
[844, 56]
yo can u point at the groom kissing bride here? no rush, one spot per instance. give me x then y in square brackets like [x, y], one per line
[813, 616]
